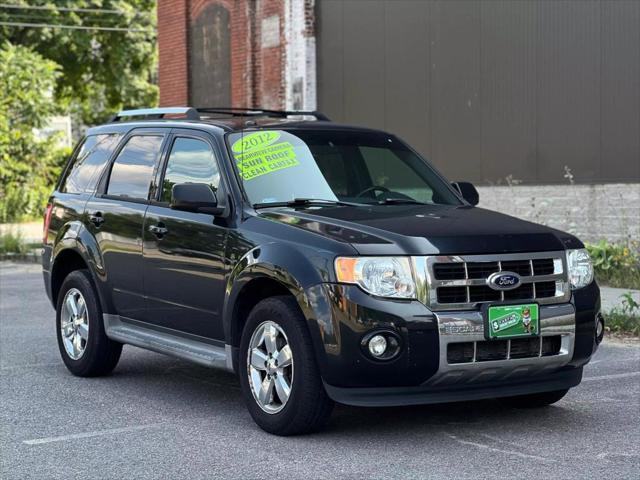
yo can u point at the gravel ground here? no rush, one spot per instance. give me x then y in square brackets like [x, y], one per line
[157, 417]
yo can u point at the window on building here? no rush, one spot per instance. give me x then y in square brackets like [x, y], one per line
[132, 171]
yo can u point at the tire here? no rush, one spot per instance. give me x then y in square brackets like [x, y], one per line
[535, 400]
[307, 407]
[96, 354]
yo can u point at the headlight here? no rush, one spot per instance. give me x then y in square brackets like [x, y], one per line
[381, 276]
[580, 268]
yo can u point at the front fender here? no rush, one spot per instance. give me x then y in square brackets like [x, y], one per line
[294, 269]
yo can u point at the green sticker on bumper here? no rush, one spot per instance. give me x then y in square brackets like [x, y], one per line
[506, 321]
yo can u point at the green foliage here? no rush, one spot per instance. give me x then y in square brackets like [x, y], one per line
[12, 243]
[28, 166]
[616, 265]
[101, 71]
[625, 319]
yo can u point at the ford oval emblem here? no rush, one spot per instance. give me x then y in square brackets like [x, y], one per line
[503, 280]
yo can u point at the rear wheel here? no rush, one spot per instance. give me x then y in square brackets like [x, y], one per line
[85, 348]
[278, 373]
[535, 400]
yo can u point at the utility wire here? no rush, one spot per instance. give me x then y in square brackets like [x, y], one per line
[30, 18]
[75, 27]
[65, 9]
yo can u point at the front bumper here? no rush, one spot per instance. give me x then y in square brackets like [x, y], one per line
[422, 395]
[421, 373]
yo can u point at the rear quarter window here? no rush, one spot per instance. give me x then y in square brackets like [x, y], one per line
[87, 165]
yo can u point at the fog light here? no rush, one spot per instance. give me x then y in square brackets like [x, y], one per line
[599, 328]
[377, 345]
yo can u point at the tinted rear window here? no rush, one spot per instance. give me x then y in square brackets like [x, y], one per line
[88, 163]
[132, 171]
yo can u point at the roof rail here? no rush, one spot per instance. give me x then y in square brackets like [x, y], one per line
[154, 113]
[261, 112]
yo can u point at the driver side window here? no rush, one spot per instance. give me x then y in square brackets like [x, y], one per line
[191, 161]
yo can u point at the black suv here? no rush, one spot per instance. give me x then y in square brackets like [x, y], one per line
[320, 262]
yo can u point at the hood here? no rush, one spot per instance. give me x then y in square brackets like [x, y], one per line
[424, 229]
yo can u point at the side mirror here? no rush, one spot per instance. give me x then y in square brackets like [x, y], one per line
[468, 192]
[195, 197]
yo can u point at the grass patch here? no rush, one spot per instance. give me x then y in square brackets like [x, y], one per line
[622, 324]
[623, 278]
[624, 319]
[616, 265]
[13, 243]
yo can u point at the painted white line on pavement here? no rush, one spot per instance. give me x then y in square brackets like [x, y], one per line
[97, 433]
[614, 375]
[499, 450]
[31, 365]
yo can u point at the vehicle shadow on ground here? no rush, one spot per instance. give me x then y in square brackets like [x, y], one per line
[182, 385]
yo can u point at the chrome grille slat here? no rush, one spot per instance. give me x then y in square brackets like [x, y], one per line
[442, 294]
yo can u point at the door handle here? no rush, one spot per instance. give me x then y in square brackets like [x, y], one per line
[159, 230]
[96, 218]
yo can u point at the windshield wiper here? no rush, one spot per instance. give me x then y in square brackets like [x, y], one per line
[397, 201]
[303, 202]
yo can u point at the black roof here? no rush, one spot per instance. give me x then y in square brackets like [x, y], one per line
[226, 119]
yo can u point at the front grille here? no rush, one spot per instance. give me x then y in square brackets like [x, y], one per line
[460, 282]
[488, 351]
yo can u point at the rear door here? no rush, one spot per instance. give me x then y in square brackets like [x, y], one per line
[184, 252]
[116, 217]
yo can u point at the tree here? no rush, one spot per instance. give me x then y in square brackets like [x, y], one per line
[28, 165]
[101, 70]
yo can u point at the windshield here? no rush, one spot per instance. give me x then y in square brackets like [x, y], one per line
[360, 167]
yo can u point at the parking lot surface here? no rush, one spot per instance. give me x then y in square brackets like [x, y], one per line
[157, 417]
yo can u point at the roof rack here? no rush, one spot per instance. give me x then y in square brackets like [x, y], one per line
[154, 113]
[191, 113]
[262, 112]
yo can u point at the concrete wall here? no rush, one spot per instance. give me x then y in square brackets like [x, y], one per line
[591, 212]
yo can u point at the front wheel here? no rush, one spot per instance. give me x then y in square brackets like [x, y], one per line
[535, 400]
[278, 373]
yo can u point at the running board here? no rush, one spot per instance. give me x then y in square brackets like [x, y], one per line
[172, 345]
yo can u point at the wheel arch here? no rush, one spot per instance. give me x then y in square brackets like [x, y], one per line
[265, 272]
[65, 262]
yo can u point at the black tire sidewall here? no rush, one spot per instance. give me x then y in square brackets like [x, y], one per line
[306, 387]
[81, 280]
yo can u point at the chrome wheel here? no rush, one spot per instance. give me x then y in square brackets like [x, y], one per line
[270, 367]
[74, 324]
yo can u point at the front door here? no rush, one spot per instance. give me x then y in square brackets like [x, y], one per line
[184, 252]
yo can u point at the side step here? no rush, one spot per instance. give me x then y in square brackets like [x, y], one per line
[172, 345]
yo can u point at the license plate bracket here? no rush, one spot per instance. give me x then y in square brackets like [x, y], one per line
[511, 321]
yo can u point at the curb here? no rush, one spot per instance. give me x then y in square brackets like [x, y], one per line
[35, 256]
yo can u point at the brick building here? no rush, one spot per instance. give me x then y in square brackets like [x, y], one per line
[536, 102]
[237, 53]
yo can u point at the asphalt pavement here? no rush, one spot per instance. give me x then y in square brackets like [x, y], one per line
[157, 417]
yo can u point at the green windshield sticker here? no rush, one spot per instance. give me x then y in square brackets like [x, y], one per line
[254, 141]
[257, 154]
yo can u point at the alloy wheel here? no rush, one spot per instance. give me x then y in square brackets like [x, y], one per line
[74, 324]
[270, 367]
